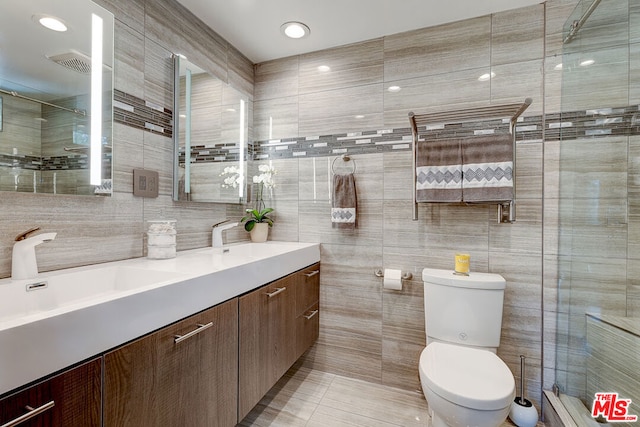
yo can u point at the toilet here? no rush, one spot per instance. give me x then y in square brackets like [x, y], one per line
[465, 383]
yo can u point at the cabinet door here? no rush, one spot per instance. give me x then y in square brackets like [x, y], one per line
[183, 375]
[307, 329]
[70, 399]
[267, 339]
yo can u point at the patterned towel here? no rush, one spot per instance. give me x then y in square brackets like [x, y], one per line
[487, 168]
[343, 202]
[439, 171]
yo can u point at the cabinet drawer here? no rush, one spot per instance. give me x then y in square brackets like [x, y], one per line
[307, 329]
[70, 399]
[308, 289]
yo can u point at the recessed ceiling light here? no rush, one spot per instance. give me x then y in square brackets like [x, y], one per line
[324, 68]
[359, 116]
[587, 62]
[52, 23]
[394, 88]
[295, 30]
[558, 67]
[487, 76]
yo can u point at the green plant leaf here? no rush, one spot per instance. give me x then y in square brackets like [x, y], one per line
[253, 216]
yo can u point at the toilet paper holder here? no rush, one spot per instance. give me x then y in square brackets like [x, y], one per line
[406, 275]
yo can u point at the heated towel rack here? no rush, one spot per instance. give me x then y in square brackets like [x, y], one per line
[506, 210]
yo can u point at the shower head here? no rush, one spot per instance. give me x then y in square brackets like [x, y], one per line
[73, 60]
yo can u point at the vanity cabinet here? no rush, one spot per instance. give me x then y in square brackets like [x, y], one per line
[70, 399]
[276, 326]
[184, 374]
[209, 369]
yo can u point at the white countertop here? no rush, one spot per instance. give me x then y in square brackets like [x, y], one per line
[43, 338]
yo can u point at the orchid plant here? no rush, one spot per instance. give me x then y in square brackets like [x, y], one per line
[232, 177]
[259, 214]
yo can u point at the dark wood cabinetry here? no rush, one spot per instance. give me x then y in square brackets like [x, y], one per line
[209, 369]
[69, 399]
[184, 374]
[277, 324]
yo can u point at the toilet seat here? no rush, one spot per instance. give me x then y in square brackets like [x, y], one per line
[469, 377]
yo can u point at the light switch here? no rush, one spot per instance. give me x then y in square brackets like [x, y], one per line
[145, 183]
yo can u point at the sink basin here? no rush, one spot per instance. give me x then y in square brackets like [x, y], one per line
[250, 251]
[54, 291]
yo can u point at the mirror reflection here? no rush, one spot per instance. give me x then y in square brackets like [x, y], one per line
[210, 135]
[56, 97]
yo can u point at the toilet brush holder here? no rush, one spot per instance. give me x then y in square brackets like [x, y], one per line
[522, 412]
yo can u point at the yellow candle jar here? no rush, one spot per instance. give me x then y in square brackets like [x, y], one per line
[462, 263]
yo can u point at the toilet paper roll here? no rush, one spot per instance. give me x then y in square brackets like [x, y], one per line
[392, 279]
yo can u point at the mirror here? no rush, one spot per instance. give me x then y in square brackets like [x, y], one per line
[210, 135]
[56, 98]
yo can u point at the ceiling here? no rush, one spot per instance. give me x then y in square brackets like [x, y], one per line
[253, 26]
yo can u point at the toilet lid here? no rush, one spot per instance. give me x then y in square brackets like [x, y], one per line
[476, 379]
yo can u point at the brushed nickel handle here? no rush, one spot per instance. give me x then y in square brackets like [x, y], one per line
[32, 413]
[276, 292]
[312, 273]
[310, 315]
[200, 327]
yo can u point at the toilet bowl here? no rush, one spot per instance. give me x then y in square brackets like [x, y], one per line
[464, 386]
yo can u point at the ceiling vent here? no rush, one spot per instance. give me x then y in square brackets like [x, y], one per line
[73, 60]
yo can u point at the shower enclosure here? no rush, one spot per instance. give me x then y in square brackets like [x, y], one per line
[597, 348]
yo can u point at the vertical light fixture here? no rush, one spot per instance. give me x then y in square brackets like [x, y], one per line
[95, 161]
[242, 149]
[187, 133]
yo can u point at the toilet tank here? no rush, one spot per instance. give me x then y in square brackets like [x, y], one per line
[463, 310]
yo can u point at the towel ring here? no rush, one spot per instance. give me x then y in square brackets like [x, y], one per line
[345, 158]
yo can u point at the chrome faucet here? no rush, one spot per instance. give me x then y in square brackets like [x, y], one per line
[216, 234]
[23, 260]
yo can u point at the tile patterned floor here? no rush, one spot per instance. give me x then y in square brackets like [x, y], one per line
[309, 398]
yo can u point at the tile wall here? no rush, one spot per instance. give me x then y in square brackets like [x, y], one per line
[613, 360]
[366, 332]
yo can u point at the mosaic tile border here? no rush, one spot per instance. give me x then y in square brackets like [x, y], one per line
[138, 113]
[594, 123]
[602, 122]
[51, 163]
[387, 140]
[221, 152]
[20, 161]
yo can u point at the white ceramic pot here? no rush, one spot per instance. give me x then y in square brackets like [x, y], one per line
[260, 232]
